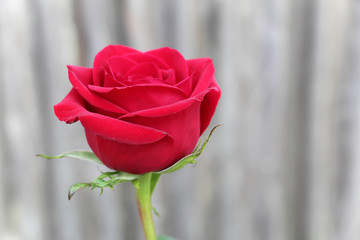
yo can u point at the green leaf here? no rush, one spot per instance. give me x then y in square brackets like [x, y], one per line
[181, 163]
[189, 158]
[154, 179]
[163, 237]
[77, 187]
[83, 155]
[105, 180]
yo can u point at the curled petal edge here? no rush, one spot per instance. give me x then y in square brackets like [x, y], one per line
[79, 78]
[71, 109]
[171, 108]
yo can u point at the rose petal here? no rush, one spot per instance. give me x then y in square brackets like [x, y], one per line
[183, 127]
[141, 58]
[137, 79]
[136, 159]
[145, 69]
[168, 76]
[120, 131]
[73, 105]
[203, 71]
[111, 81]
[70, 107]
[167, 109]
[82, 74]
[79, 78]
[204, 80]
[138, 97]
[208, 99]
[120, 64]
[186, 85]
[104, 55]
[174, 59]
[208, 105]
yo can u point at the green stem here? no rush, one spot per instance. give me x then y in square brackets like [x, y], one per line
[143, 198]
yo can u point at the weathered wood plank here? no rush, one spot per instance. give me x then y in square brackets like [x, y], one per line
[284, 166]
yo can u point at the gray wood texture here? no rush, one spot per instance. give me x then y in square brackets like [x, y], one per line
[284, 166]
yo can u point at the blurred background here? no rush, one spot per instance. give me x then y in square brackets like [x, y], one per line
[284, 166]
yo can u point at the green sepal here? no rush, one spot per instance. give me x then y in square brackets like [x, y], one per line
[189, 158]
[83, 155]
[154, 179]
[77, 187]
[136, 183]
[106, 179]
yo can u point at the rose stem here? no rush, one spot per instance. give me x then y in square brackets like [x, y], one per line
[143, 199]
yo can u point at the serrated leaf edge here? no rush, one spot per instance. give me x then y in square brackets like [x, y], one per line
[105, 180]
[75, 154]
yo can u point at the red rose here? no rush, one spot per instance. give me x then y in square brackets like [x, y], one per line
[141, 112]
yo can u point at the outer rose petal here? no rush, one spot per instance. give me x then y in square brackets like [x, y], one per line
[163, 110]
[184, 129]
[106, 53]
[208, 106]
[72, 108]
[168, 109]
[69, 109]
[136, 159]
[174, 59]
[202, 70]
[120, 131]
[204, 80]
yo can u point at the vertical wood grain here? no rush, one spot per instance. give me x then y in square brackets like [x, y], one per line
[284, 166]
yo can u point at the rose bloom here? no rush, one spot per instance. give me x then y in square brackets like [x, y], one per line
[141, 111]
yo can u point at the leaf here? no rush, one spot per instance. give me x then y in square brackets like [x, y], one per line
[189, 158]
[180, 164]
[163, 237]
[105, 180]
[83, 155]
[154, 179]
[77, 187]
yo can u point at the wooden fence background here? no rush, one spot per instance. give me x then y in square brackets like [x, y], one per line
[284, 166]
